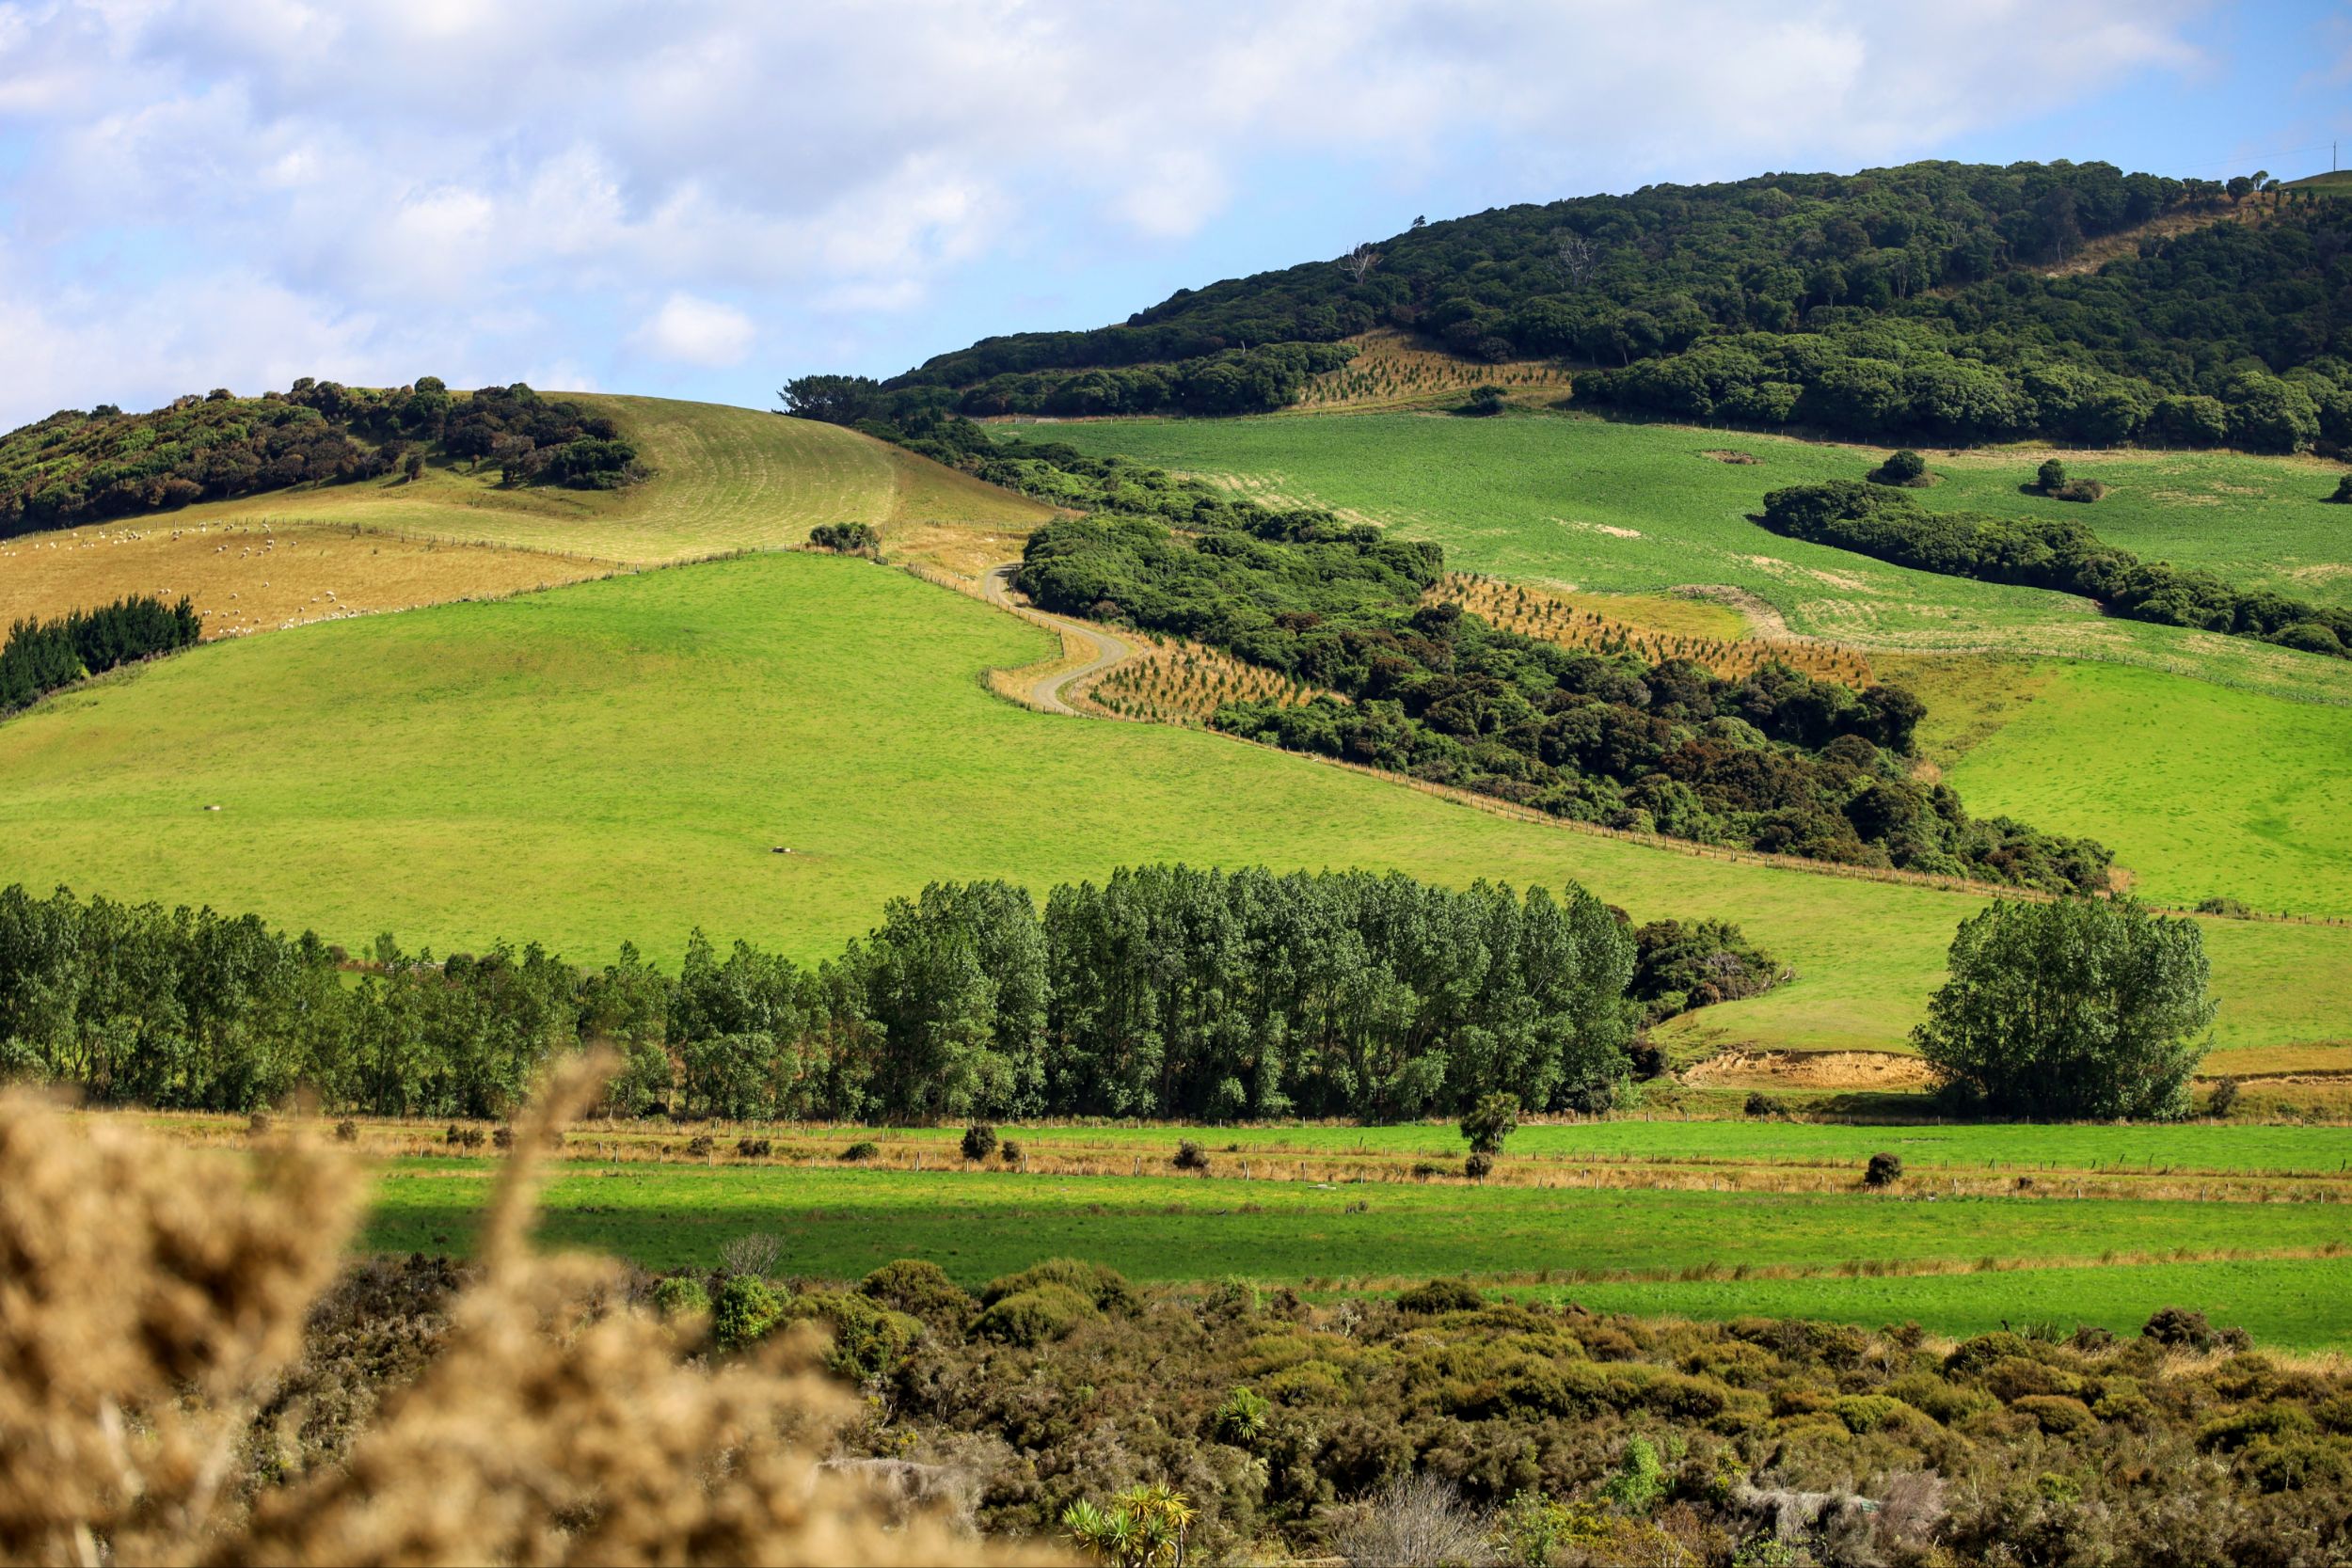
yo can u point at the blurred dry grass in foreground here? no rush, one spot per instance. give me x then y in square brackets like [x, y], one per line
[152, 1297]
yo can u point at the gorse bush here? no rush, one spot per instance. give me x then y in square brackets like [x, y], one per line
[979, 1141]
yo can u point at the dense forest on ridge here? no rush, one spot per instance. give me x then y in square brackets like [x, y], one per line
[1910, 301]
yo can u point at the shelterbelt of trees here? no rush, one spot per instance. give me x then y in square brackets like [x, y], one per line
[76, 468]
[1165, 992]
[2039, 552]
[1897, 302]
[40, 656]
[1776, 760]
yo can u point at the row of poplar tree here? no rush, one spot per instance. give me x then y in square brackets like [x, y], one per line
[1166, 992]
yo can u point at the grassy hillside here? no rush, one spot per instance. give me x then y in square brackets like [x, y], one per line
[2212, 791]
[724, 479]
[2155, 766]
[617, 760]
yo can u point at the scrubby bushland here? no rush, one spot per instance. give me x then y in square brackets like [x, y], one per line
[2080, 1009]
[40, 656]
[1776, 760]
[1145, 995]
[76, 468]
[1218, 381]
[1370, 1426]
[1894, 304]
[2035, 552]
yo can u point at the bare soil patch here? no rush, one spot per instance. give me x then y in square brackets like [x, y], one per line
[1880, 1070]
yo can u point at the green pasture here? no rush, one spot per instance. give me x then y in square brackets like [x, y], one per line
[723, 479]
[2289, 1303]
[2201, 790]
[842, 1224]
[618, 761]
[2208, 787]
[1638, 508]
[2182, 1149]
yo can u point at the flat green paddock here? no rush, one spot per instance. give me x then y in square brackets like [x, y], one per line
[2207, 787]
[2184, 1148]
[977, 1225]
[617, 761]
[2294, 1303]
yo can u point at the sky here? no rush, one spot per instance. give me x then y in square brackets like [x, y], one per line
[702, 200]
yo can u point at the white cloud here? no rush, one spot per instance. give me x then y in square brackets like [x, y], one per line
[512, 181]
[692, 331]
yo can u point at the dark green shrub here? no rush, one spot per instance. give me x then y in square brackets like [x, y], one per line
[1030, 1318]
[1762, 1105]
[845, 538]
[741, 1312]
[2229, 1433]
[1478, 1166]
[1190, 1156]
[2078, 490]
[919, 1288]
[1489, 1123]
[2298, 1465]
[1970, 1358]
[2224, 1098]
[979, 1141]
[2344, 490]
[1906, 468]
[2179, 1329]
[754, 1148]
[1009, 1151]
[2310, 637]
[1103, 1288]
[679, 1295]
[1883, 1170]
[861, 1151]
[2056, 1414]
[2050, 475]
[701, 1146]
[1484, 401]
[1441, 1295]
[867, 1339]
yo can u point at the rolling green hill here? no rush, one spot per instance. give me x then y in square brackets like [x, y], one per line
[723, 478]
[2216, 785]
[618, 760]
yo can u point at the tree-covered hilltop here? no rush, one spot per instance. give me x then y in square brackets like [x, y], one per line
[77, 467]
[1893, 302]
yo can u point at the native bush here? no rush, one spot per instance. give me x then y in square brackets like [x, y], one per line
[979, 1141]
[1883, 1170]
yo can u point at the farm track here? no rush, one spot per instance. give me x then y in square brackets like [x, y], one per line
[1048, 691]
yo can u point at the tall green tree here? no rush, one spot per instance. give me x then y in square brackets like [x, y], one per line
[2078, 1009]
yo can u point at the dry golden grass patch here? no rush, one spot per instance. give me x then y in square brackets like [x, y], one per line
[253, 576]
[1393, 369]
[1553, 617]
[966, 550]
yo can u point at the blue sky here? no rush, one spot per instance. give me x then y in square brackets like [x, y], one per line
[701, 201]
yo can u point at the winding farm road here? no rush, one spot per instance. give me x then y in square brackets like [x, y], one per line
[1047, 692]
